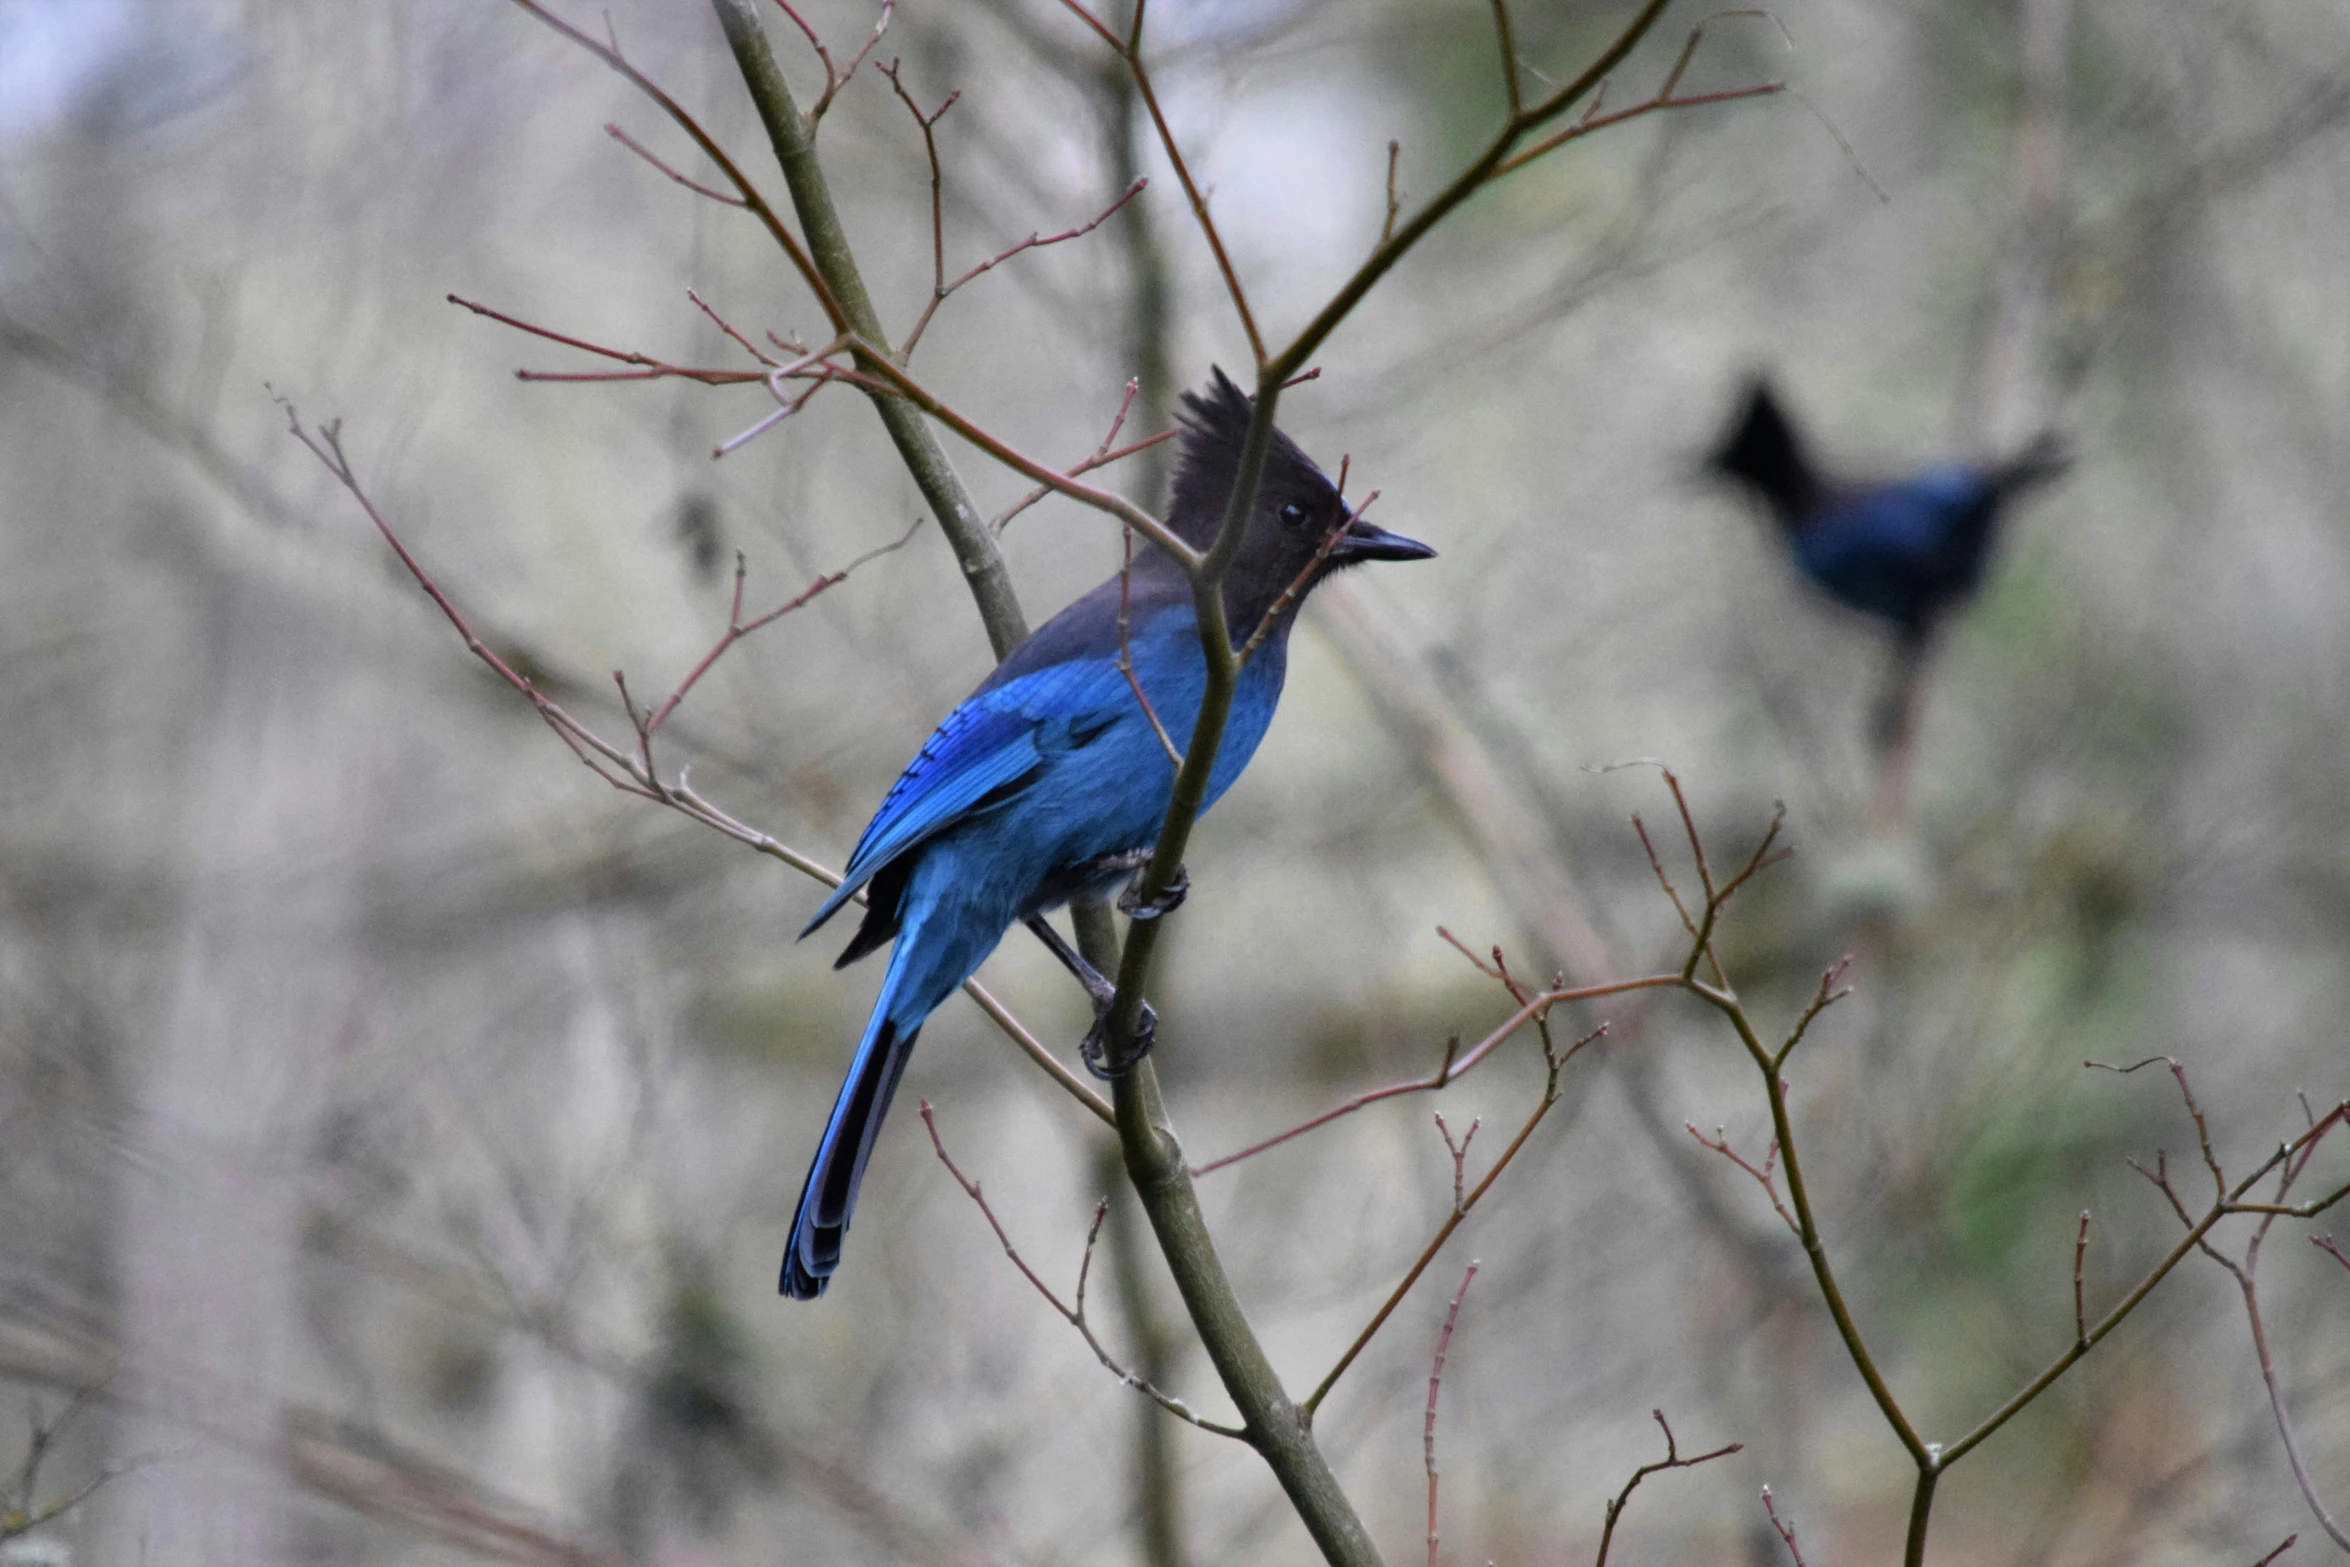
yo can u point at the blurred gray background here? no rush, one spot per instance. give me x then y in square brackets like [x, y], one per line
[398, 1128]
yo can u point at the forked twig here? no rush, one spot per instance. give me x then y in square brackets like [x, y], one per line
[1072, 1312]
[1785, 1526]
[1456, 1063]
[1763, 1174]
[1671, 1460]
[1554, 1060]
[622, 768]
[834, 80]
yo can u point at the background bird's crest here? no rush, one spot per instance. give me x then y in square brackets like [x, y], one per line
[1763, 450]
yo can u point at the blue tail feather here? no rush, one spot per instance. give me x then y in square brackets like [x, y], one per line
[830, 1195]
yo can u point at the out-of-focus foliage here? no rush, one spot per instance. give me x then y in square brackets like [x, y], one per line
[370, 1075]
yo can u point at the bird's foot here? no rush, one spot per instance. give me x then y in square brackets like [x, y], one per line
[1135, 906]
[1095, 1049]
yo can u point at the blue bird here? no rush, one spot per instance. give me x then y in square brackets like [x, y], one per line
[1906, 551]
[1049, 783]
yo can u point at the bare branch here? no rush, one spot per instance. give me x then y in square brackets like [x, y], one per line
[1452, 1319]
[620, 768]
[698, 188]
[1554, 1061]
[1073, 1311]
[1762, 1174]
[1786, 1527]
[1671, 1460]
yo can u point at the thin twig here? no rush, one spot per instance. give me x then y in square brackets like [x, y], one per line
[834, 81]
[2080, 1310]
[1452, 1319]
[789, 242]
[1072, 1312]
[653, 369]
[1786, 1526]
[1305, 577]
[1126, 654]
[1554, 1061]
[1763, 1175]
[1459, 1152]
[696, 186]
[618, 767]
[1671, 1460]
[1394, 203]
[1130, 50]
[1456, 1063]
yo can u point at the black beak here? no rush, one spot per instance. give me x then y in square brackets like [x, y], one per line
[1369, 541]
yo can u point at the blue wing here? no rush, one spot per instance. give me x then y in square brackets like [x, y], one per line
[985, 746]
[990, 748]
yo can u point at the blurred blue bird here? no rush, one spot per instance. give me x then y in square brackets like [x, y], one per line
[1904, 550]
[1049, 783]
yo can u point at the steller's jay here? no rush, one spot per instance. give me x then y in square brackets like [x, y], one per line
[1903, 550]
[1049, 782]
[1907, 551]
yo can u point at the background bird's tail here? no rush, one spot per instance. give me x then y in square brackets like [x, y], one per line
[830, 1195]
[2036, 464]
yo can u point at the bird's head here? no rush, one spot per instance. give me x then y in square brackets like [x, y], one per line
[1297, 505]
[1763, 452]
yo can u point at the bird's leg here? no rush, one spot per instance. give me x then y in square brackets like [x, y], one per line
[1101, 992]
[1134, 906]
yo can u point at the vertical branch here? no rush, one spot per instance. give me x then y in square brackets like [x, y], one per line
[943, 490]
[1452, 1319]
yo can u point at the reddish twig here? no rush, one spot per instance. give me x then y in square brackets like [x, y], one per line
[1554, 1061]
[726, 326]
[1456, 1063]
[2289, 1162]
[652, 369]
[1671, 1460]
[696, 186]
[816, 368]
[2080, 1309]
[834, 81]
[2325, 1243]
[1126, 654]
[738, 628]
[1312, 568]
[1452, 1319]
[1825, 997]
[1785, 1526]
[1130, 50]
[1763, 1175]
[1592, 119]
[1103, 455]
[1394, 203]
[621, 768]
[1459, 1152]
[2288, 1543]
[801, 261]
[1073, 1312]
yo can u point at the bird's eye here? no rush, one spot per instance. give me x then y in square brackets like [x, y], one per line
[1293, 514]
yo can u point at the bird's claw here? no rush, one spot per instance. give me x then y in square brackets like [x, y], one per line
[1134, 906]
[1095, 1049]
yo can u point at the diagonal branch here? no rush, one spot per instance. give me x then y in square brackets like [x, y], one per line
[1073, 1311]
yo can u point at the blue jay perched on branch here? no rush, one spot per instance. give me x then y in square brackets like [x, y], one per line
[1906, 551]
[1051, 780]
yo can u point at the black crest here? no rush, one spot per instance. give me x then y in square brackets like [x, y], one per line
[1215, 426]
[1763, 449]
